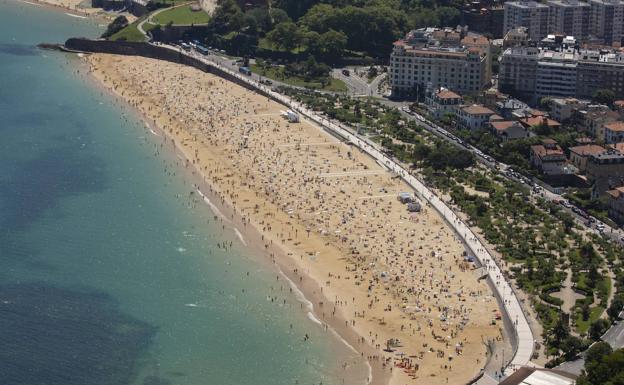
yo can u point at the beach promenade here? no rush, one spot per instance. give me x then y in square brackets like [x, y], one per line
[511, 304]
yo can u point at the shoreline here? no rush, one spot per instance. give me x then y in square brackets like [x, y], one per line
[283, 256]
[95, 14]
[307, 293]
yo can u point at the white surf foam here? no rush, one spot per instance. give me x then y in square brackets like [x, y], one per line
[77, 16]
[298, 293]
[313, 318]
[240, 236]
[310, 307]
[212, 206]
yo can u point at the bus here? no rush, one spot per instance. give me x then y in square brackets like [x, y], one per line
[244, 70]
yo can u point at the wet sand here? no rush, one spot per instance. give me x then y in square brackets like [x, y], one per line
[328, 216]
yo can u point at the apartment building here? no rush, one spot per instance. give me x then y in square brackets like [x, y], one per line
[430, 58]
[517, 73]
[569, 17]
[556, 74]
[532, 73]
[607, 20]
[616, 204]
[563, 109]
[548, 158]
[484, 16]
[529, 14]
[605, 171]
[614, 132]
[601, 69]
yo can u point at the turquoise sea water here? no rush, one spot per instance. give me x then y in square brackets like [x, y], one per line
[109, 274]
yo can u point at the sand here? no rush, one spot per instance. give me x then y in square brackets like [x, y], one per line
[383, 273]
[78, 8]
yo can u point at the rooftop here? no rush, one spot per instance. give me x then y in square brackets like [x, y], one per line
[538, 376]
[588, 149]
[539, 120]
[568, 3]
[443, 93]
[476, 109]
[619, 147]
[615, 126]
[504, 125]
[542, 151]
[616, 192]
[526, 4]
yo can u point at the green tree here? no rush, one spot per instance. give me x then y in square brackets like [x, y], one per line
[598, 328]
[115, 26]
[285, 35]
[227, 17]
[602, 367]
[604, 96]
[331, 44]
[616, 307]
[448, 16]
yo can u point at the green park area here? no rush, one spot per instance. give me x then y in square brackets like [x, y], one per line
[321, 83]
[130, 33]
[183, 15]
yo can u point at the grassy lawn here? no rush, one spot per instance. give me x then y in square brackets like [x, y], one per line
[130, 33]
[264, 43]
[181, 16]
[583, 326]
[276, 73]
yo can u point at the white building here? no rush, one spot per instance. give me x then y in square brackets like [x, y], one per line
[562, 109]
[531, 73]
[556, 74]
[442, 102]
[428, 59]
[474, 117]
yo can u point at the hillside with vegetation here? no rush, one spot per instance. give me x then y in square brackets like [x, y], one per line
[328, 29]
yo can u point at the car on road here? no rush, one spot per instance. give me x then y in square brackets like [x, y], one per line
[346, 72]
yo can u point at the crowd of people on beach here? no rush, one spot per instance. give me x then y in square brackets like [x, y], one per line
[401, 280]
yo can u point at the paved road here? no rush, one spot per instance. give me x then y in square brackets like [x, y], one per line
[614, 337]
[511, 304]
[356, 85]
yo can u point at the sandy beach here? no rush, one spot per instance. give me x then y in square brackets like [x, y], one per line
[394, 284]
[76, 8]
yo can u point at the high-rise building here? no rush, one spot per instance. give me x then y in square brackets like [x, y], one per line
[531, 73]
[607, 20]
[430, 58]
[530, 14]
[569, 17]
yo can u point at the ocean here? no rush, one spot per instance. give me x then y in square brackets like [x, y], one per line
[111, 270]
